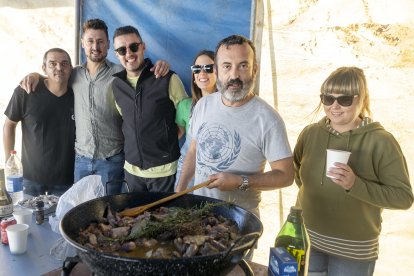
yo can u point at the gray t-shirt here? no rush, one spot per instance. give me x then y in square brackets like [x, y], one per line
[238, 140]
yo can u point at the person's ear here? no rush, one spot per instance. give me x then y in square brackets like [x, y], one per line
[44, 69]
[255, 68]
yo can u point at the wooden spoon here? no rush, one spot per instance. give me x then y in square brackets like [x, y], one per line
[133, 212]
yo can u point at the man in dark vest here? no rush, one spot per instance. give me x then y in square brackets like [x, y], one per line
[147, 105]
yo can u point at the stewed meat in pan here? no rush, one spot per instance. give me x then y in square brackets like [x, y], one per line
[162, 233]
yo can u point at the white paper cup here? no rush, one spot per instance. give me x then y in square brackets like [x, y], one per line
[24, 216]
[333, 156]
[17, 235]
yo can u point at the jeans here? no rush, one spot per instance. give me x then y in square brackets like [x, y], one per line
[321, 264]
[110, 169]
[180, 163]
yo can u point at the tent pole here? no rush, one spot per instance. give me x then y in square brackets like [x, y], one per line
[256, 30]
[78, 13]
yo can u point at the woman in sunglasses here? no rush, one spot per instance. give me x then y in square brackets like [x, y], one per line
[203, 82]
[342, 211]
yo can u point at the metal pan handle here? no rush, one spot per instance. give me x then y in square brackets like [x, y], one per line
[246, 268]
[251, 237]
[68, 264]
[238, 258]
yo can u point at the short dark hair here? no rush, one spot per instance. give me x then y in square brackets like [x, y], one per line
[58, 50]
[235, 39]
[95, 24]
[126, 30]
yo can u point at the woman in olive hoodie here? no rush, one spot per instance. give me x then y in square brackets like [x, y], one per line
[342, 211]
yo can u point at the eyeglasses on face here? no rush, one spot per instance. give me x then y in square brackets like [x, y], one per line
[133, 47]
[208, 68]
[342, 100]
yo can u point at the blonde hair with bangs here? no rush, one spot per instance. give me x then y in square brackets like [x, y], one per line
[348, 81]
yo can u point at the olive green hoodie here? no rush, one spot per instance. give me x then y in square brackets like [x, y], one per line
[348, 223]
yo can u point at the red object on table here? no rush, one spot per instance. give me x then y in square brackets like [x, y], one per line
[4, 223]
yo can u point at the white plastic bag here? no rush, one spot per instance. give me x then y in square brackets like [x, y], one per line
[87, 188]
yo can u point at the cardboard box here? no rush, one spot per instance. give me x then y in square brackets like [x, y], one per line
[281, 263]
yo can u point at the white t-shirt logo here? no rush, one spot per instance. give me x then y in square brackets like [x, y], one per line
[217, 147]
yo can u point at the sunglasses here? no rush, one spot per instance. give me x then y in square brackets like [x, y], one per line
[133, 47]
[208, 68]
[342, 100]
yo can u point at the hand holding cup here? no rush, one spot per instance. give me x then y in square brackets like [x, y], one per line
[333, 156]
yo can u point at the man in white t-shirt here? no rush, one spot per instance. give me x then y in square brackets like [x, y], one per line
[234, 133]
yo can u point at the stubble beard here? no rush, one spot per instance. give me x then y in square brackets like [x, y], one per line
[98, 58]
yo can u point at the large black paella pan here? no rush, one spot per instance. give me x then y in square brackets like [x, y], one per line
[107, 264]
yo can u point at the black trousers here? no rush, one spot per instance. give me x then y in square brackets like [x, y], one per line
[142, 184]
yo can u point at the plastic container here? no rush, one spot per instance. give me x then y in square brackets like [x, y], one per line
[14, 177]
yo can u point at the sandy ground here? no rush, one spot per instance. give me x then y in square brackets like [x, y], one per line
[303, 41]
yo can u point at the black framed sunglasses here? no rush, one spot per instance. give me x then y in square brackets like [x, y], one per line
[342, 100]
[133, 47]
[208, 68]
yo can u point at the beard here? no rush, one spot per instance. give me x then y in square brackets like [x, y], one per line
[235, 95]
[97, 56]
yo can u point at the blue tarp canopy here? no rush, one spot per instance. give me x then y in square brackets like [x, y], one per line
[173, 30]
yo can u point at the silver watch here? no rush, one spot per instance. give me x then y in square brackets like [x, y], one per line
[244, 186]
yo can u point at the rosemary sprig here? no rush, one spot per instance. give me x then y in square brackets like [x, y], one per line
[174, 218]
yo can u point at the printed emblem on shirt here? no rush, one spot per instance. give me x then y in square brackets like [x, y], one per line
[73, 114]
[217, 147]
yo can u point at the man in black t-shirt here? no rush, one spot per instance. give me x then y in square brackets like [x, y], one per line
[48, 128]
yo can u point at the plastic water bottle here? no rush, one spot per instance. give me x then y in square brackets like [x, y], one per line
[14, 177]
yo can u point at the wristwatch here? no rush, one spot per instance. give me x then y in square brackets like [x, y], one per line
[244, 186]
